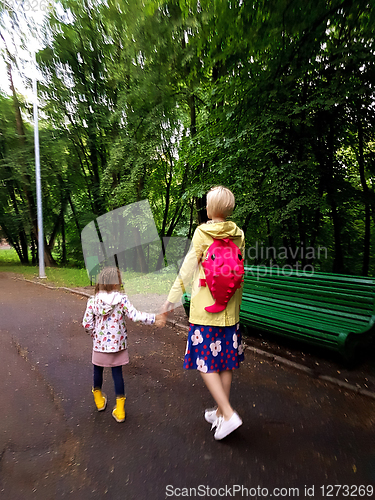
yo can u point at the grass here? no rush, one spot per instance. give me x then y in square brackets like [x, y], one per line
[158, 283]
[58, 276]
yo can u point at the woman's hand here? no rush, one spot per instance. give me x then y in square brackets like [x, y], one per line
[166, 307]
[161, 318]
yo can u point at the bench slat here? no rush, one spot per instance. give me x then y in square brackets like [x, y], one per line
[317, 306]
[314, 289]
[324, 322]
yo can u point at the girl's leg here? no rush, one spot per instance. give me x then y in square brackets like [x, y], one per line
[118, 381]
[214, 384]
[119, 410]
[99, 396]
[98, 377]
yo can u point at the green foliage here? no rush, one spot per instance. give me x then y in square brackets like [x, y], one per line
[161, 99]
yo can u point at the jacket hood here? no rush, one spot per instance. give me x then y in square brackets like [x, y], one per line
[104, 302]
[220, 230]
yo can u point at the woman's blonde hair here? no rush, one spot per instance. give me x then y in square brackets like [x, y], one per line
[220, 201]
[109, 278]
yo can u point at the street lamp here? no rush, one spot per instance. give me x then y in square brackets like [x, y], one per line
[37, 176]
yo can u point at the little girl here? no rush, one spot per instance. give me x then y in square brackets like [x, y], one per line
[214, 345]
[104, 319]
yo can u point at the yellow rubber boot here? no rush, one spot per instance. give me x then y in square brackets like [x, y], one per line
[100, 399]
[119, 410]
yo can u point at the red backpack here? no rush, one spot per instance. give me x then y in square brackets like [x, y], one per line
[224, 270]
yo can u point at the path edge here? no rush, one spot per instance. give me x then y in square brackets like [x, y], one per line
[259, 352]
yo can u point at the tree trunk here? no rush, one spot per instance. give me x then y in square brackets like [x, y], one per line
[22, 233]
[302, 237]
[97, 198]
[338, 263]
[49, 261]
[317, 219]
[190, 226]
[11, 241]
[367, 238]
[270, 241]
[63, 240]
[33, 251]
[58, 224]
[74, 215]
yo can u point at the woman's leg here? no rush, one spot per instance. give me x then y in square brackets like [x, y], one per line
[98, 376]
[226, 380]
[118, 381]
[214, 384]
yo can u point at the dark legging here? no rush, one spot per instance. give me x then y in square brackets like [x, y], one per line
[117, 379]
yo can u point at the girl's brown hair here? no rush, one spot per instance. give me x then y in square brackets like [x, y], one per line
[109, 278]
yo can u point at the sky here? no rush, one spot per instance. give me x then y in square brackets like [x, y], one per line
[14, 45]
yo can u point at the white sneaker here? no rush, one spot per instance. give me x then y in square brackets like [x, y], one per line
[210, 415]
[225, 427]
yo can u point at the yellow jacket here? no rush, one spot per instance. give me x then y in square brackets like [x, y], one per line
[192, 269]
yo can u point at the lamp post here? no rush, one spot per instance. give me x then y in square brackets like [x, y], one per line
[37, 176]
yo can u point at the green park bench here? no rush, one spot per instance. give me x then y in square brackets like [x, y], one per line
[333, 311]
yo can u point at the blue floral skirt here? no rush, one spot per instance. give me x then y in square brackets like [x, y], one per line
[213, 348]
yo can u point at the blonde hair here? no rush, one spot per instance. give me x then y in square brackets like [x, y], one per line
[220, 201]
[109, 278]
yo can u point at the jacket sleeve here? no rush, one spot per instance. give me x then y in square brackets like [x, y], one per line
[88, 321]
[133, 314]
[188, 268]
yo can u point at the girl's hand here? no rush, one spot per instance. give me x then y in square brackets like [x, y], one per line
[160, 320]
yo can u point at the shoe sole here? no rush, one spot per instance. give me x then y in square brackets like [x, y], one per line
[117, 419]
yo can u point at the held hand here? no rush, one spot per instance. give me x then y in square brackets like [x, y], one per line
[160, 320]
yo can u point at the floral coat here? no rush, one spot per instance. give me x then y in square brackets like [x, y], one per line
[104, 319]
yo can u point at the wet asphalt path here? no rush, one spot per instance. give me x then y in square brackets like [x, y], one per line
[298, 432]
